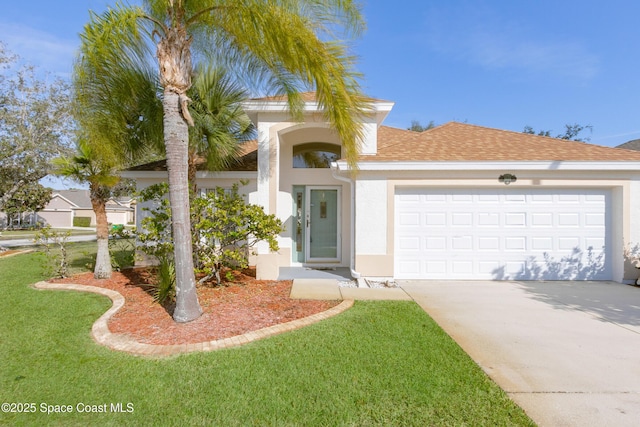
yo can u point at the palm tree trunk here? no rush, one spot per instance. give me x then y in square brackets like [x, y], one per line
[176, 135]
[193, 170]
[103, 258]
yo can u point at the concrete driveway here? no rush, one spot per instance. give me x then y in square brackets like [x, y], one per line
[567, 352]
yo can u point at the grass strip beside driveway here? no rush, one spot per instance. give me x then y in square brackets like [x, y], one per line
[379, 363]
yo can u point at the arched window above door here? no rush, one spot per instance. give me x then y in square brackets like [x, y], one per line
[315, 155]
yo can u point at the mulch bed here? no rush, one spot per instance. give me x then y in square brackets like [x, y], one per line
[237, 307]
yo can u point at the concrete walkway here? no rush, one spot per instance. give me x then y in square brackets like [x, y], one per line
[328, 289]
[567, 352]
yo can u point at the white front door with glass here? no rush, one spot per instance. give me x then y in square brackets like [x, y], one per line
[316, 222]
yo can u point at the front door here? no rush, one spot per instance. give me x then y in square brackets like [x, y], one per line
[322, 242]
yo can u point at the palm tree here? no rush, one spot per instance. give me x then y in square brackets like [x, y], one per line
[220, 123]
[86, 167]
[281, 43]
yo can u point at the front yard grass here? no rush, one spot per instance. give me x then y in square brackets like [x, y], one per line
[379, 363]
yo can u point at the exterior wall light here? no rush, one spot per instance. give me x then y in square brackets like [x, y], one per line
[507, 178]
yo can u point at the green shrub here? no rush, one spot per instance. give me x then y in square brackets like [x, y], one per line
[165, 290]
[225, 229]
[54, 244]
[122, 247]
[82, 221]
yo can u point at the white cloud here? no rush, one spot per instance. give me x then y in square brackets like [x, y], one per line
[46, 51]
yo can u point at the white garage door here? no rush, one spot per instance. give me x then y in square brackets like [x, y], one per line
[56, 218]
[506, 234]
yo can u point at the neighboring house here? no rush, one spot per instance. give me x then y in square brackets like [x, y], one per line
[454, 202]
[634, 144]
[65, 205]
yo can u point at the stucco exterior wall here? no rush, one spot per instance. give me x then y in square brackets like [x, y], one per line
[375, 211]
[58, 203]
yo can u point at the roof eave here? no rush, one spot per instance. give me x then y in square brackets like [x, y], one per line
[567, 165]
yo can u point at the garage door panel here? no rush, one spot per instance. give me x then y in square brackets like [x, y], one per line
[463, 268]
[488, 243]
[488, 219]
[518, 243]
[595, 243]
[435, 219]
[436, 243]
[569, 220]
[542, 220]
[525, 234]
[542, 243]
[460, 219]
[594, 220]
[515, 219]
[410, 218]
[569, 198]
[514, 198]
[436, 268]
[409, 244]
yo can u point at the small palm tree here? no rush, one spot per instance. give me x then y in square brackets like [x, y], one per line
[86, 167]
[220, 123]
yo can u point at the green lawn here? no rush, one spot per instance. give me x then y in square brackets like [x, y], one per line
[379, 363]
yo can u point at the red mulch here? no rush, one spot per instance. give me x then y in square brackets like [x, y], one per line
[245, 305]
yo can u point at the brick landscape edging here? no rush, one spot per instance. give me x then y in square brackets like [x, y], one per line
[121, 342]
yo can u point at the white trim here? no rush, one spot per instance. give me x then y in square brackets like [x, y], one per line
[228, 175]
[264, 106]
[341, 166]
[253, 108]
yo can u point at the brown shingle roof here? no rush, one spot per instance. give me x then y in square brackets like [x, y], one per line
[306, 97]
[247, 162]
[463, 142]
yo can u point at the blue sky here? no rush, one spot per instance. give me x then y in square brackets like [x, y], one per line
[496, 63]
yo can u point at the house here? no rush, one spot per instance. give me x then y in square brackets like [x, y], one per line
[458, 201]
[65, 205]
[634, 144]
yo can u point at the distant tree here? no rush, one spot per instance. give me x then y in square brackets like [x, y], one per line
[572, 132]
[417, 127]
[35, 125]
[32, 197]
[126, 187]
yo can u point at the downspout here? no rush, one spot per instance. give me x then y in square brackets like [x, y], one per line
[352, 261]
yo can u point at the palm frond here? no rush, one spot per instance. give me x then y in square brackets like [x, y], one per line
[282, 45]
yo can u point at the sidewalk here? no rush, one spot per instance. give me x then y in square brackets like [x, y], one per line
[15, 243]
